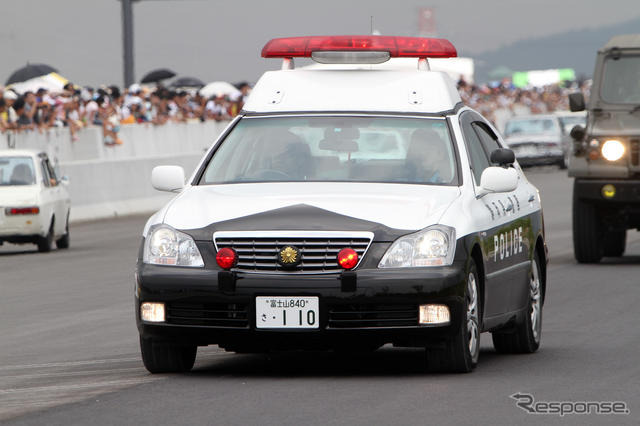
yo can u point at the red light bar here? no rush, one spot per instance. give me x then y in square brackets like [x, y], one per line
[398, 47]
[12, 211]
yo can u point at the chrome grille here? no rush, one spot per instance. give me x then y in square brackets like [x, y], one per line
[258, 251]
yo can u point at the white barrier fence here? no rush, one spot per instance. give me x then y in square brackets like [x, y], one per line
[108, 181]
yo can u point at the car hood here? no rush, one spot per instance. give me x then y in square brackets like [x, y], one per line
[18, 195]
[532, 138]
[615, 123]
[398, 206]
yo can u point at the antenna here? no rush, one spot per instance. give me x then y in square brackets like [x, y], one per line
[371, 24]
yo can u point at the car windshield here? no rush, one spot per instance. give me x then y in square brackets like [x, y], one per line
[568, 121]
[336, 149]
[530, 126]
[16, 171]
[621, 80]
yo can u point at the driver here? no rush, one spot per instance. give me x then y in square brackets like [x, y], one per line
[288, 154]
[427, 158]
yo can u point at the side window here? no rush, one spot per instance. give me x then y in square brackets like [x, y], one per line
[45, 173]
[52, 173]
[488, 139]
[477, 156]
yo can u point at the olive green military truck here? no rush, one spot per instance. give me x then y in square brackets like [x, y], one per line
[605, 160]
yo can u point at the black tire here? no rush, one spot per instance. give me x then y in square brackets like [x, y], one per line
[160, 357]
[63, 242]
[526, 337]
[45, 244]
[587, 232]
[564, 163]
[614, 243]
[457, 355]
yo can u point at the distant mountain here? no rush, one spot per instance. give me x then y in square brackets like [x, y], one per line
[574, 49]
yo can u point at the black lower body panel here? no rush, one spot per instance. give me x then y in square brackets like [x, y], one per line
[376, 307]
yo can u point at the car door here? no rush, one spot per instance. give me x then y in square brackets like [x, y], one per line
[61, 200]
[506, 232]
[48, 196]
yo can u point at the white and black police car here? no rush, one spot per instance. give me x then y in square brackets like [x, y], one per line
[346, 208]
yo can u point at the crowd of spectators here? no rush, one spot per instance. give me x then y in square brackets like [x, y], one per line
[501, 101]
[111, 107]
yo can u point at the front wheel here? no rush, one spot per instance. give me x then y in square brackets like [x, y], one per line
[587, 232]
[63, 242]
[614, 243]
[527, 335]
[461, 353]
[161, 357]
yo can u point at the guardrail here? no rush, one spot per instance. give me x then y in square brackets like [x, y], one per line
[107, 181]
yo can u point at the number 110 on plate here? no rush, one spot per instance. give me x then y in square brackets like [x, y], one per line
[287, 312]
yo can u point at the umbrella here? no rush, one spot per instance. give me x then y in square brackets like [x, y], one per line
[219, 88]
[187, 82]
[28, 72]
[157, 75]
[53, 82]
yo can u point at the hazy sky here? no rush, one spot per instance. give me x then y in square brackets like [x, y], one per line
[216, 40]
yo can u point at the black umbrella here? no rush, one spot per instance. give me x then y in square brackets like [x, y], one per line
[187, 82]
[157, 75]
[28, 72]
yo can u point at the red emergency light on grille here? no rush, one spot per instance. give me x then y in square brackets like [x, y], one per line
[397, 47]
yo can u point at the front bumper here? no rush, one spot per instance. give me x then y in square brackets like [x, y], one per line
[373, 305]
[627, 191]
[534, 154]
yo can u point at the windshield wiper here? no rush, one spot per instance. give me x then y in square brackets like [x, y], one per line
[635, 109]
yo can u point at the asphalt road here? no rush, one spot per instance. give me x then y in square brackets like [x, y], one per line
[69, 349]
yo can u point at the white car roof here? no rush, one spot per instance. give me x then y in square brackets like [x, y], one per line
[353, 90]
[20, 153]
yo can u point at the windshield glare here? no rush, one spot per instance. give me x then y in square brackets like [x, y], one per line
[16, 171]
[621, 80]
[534, 126]
[335, 149]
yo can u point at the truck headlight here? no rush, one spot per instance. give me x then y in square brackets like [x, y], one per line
[433, 246]
[166, 246]
[612, 150]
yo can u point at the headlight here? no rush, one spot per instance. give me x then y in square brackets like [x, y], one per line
[433, 246]
[613, 150]
[166, 246]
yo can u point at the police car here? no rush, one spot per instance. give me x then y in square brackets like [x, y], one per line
[346, 208]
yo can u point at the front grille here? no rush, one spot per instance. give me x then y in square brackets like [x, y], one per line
[234, 315]
[258, 252]
[373, 315]
[635, 152]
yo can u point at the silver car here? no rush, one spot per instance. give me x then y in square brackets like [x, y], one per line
[537, 139]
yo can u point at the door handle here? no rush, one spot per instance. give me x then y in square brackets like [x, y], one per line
[531, 198]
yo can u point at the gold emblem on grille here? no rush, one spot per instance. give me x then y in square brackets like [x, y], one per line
[289, 255]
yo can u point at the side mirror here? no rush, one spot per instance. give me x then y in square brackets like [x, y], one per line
[498, 179]
[578, 132]
[503, 157]
[576, 102]
[167, 178]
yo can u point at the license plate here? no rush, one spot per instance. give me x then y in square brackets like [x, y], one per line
[287, 312]
[527, 151]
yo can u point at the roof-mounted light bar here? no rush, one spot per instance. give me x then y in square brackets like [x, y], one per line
[340, 49]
